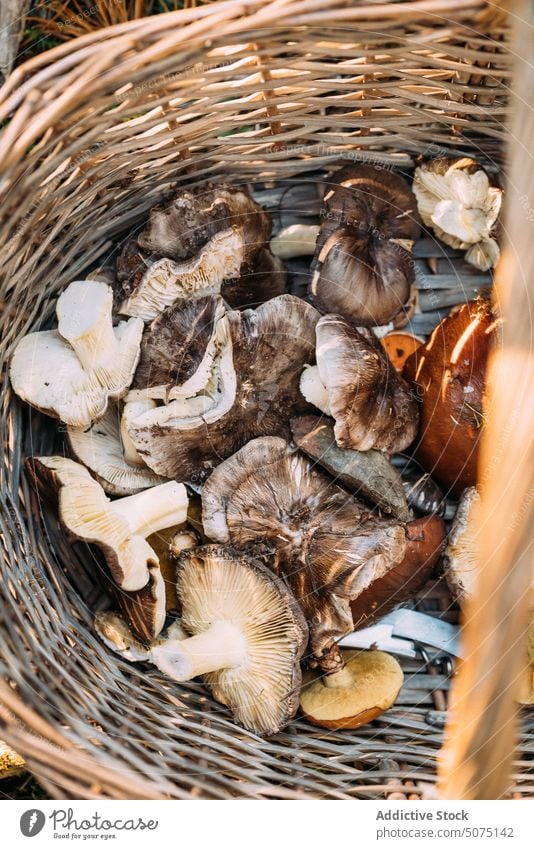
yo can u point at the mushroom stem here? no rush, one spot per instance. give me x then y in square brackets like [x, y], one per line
[154, 509]
[84, 320]
[222, 646]
[295, 240]
[314, 390]
[131, 411]
[341, 678]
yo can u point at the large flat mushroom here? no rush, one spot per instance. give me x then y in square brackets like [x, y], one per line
[247, 636]
[118, 527]
[355, 382]
[73, 372]
[326, 545]
[253, 390]
[363, 268]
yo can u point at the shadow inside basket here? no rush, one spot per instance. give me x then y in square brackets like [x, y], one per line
[176, 734]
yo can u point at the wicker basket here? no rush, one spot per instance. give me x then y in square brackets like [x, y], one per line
[94, 133]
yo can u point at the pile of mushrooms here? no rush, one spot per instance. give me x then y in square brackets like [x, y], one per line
[229, 445]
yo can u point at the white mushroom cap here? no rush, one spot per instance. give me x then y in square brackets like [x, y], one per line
[165, 281]
[118, 527]
[248, 636]
[72, 373]
[101, 450]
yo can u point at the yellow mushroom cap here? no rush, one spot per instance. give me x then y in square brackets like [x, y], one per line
[366, 687]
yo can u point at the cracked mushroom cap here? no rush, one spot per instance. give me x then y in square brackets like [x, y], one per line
[455, 199]
[355, 382]
[368, 685]
[100, 449]
[118, 527]
[325, 544]
[247, 636]
[253, 390]
[71, 373]
[363, 269]
[202, 242]
[177, 350]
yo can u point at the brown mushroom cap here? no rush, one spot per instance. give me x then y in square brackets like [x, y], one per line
[326, 545]
[363, 268]
[257, 392]
[424, 544]
[248, 636]
[368, 685]
[449, 374]
[372, 406]
[181, 227]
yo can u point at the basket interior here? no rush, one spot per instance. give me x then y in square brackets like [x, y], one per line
[277, 118]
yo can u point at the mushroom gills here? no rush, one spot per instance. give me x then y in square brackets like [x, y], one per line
[119, 527]
[165, 281]
[247, 636]
[222, 646]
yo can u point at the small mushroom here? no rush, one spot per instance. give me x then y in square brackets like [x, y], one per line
[72, 373]
[368, 685]
[202, 242]
[117, 635]
[460, 556]
[368, 474]
[448, 375]
[178, 350]
[253, 390]
[355, 382]
[363, 267]
[295, 240]
[455, 199]
[248, 636]
[325, 544]
[101, 450]
[118, 527]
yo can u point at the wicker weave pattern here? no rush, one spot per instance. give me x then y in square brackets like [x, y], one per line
[95, 132]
